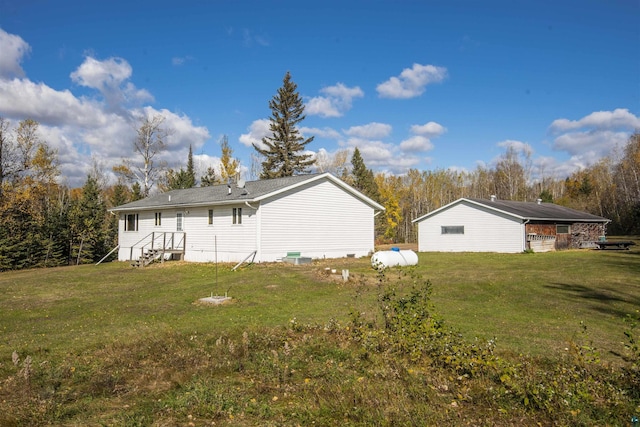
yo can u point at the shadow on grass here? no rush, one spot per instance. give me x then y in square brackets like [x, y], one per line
[602, 300]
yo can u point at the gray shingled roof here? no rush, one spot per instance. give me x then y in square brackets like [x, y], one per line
[527, 211]
[542, 211]
[218, 194]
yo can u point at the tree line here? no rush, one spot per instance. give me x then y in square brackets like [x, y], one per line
[44, 222]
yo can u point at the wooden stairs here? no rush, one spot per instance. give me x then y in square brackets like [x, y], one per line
[147, 258]
[156, 246]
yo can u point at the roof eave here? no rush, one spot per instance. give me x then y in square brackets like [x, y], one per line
[184, 205]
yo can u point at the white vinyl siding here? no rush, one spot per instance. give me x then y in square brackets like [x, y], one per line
[320, 220]
[484, 231]
[233, 242]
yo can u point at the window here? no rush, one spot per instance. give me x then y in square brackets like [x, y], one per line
[562, 229]
[131, 222]
[452, 229]
[158, 219]
[179, 221]
[210, 216]
[237, 215]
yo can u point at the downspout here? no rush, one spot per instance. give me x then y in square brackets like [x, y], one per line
[524, 243]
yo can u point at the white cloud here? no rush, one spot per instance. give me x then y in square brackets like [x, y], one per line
[619, 118]
[13, 49]
[370, 131]
[337, 100]
[411, 82]
[600, 142]
[325, 132]
[416, 143]
[594, 136]
[257, 130]
[323, 107]
[81, 128]
[22, 98]
[110, 77]
[430, 129]
[517, 146]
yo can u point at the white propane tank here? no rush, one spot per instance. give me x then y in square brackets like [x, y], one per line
[394, 257]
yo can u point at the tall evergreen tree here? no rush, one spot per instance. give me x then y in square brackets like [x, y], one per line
[209, 178]
[363, 179]
[283, 150]
[182, 178]
[87, 221]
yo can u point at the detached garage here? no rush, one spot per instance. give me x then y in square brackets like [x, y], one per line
[477, 225]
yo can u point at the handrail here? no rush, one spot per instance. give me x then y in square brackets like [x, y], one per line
[105, 257]
[152, 242]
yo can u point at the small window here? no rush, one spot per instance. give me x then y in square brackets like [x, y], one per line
[131, 222]
[210, 216]
[179, 221]
[452, 229]
[562, 229]
[237, 215]
[158, 219]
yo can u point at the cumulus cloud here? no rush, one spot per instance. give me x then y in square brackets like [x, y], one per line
[593, 136]
[430, 129]
[257, 130]
[600, 143]
[110, 77]
[416, 143]
[325, 132]
[336, 101]
[370, 131]
[618, 118]
[104, 127]
[412, 82]
[517, 146]
[13, 49]
[421, 140]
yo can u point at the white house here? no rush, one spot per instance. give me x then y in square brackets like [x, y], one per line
[475, 225]
[316, 215]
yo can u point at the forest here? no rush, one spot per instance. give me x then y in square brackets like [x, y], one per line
[46, 223]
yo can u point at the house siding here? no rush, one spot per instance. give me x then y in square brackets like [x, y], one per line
[484, 231]
[319, 220]
[222, 241]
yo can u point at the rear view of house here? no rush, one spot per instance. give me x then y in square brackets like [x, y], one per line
[476, 225]
[317, 216]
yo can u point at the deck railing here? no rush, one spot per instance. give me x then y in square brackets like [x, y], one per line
[162, 241]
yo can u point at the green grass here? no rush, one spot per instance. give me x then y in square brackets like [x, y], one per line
[113, 345]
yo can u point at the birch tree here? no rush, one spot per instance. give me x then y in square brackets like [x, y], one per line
[150, 141]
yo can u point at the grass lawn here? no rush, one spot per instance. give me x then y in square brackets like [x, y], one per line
[532, 304]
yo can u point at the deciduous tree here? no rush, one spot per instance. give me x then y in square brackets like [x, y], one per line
[150, 141]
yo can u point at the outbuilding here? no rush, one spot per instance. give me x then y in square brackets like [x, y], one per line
[479, 225]
[313, 215]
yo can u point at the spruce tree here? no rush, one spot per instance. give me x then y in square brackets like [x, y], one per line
[182, 178]
[363, 179]
[284, 148]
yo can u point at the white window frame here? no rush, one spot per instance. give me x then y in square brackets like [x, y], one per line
[131, 217]
[237, 216]
[179, 221]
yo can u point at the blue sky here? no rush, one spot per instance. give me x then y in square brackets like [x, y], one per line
[412, 84]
